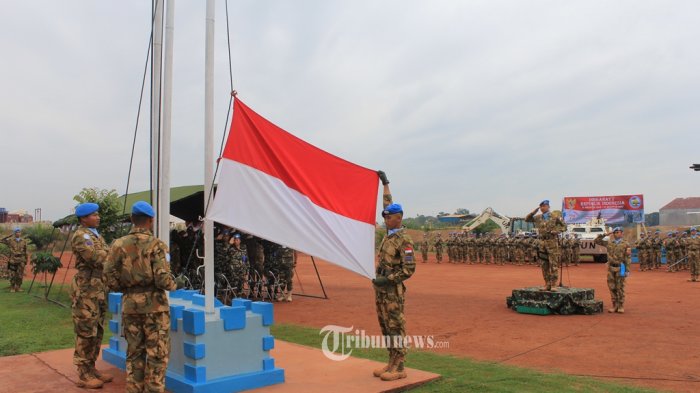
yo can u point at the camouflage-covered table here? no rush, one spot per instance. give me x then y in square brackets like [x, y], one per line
[564, 301]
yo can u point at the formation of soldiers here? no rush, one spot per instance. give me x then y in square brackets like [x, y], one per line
[470, 248]
[678, 245]
[244, 265]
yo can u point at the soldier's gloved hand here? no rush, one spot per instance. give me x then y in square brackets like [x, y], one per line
[383, 178]
[380, 281]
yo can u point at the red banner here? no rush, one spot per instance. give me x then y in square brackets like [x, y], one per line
[614, 209]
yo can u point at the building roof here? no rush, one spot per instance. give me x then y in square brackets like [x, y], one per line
[683, 203]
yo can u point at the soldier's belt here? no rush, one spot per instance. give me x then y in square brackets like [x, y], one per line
[90, 273]
[141, 289]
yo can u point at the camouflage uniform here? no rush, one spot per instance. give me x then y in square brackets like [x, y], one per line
[672, 254]
[17, 261]
[88, 299]
[693, 243]
[138, 267]
[617, 255]
[549, 251]
[396, 263]
[438, 249]
[238, 269]
[576, 250]
[424, 245]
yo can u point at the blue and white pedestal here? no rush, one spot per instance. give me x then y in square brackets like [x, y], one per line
[227, 351]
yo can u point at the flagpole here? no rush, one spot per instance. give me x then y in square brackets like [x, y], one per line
[164, 183]
[209, 157]
[156, 64]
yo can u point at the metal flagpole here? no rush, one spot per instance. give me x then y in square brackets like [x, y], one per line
[164, 183]
[156, 64]
[209, 157]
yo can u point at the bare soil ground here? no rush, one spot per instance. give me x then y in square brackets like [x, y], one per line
[654, 344]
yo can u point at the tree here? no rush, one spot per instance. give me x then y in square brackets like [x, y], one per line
[462, 211]
[39, 235]
[110, 210]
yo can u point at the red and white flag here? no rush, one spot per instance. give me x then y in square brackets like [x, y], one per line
[278, 187]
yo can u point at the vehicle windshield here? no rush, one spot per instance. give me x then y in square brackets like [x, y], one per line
[597, 230]
[579, 230]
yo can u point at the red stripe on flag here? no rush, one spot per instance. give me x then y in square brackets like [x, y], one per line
[328, 181]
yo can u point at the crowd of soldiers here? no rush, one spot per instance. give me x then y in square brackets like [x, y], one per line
[244, 265]
[677, 244]
[489, 248]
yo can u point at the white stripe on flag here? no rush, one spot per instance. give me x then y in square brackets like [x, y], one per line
[260, 204]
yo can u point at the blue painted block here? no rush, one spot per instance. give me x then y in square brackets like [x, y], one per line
[177, 294]
[268, 343]
[238, 302]
[193, 321]
[194, 351]
[268, 364]
[189, 293]
[198, 299]
[114, 344]
[234, 317]
[196, 374]
[265, 310]
[114, 326]
[114, 301]
[217, 303]
[175, 314]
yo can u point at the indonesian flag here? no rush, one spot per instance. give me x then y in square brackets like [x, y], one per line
[278, 187]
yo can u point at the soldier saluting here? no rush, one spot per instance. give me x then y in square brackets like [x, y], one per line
[18, 258]
[396, 264]
[619, 253]
[549, 227]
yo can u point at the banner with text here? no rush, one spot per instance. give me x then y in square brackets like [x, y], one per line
[617, 209]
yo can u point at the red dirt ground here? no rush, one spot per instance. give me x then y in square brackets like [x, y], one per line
[654, 344]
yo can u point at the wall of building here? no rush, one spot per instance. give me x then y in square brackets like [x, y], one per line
[679, 217]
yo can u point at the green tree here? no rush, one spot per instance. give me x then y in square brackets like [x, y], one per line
[462, 211]
[40, 235]
[110, 210]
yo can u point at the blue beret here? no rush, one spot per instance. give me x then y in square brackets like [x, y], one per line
[545, 202]
[142, 208]
[17, 229]
[618, 229]
[693, 229]
[237, 236]
[392, 209]
[670, 233]
[85, 209]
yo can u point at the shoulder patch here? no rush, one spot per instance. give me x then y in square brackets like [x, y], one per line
[86, 236]
[167, 256]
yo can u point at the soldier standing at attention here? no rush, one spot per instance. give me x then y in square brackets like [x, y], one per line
[424, 245]
[138, 266]
[88, 303]
[18, 259]
[396, 264]
[548, 228]
[438, 248]
[619, 253]
[693, 243]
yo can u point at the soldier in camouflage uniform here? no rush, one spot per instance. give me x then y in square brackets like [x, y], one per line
[672, 254]
[549, 226]
[238, 264]
[438, 246]
[642, 255]
[693, 244]
[18, 259]
[577, 250]
[88, 301]
[396, 265]
[138, 266]
[424, 245]
[619, 253]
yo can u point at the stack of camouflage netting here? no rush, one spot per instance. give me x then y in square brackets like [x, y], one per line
[564, 301]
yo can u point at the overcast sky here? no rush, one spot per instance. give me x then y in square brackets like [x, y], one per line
[465, 104]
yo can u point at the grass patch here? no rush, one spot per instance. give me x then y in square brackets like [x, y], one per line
[464, 375]
[29, 324]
